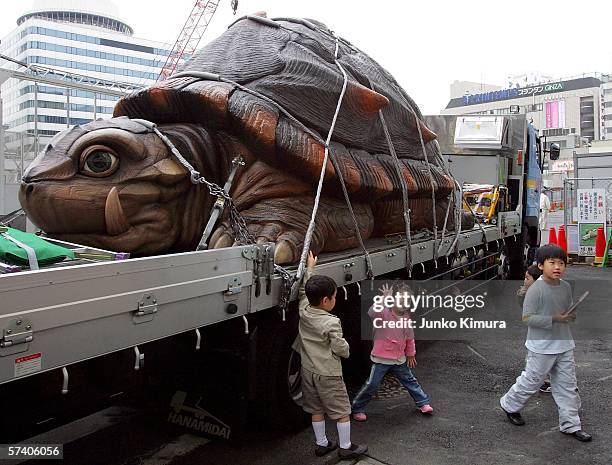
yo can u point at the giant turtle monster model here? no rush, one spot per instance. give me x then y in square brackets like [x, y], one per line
[115, 184]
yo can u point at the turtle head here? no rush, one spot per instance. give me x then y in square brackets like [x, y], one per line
[111, 184]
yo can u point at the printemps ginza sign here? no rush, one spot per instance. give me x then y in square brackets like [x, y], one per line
[513, 93]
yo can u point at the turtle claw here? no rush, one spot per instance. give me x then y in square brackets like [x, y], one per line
[217, 233]
[283, 253]
[225, 240]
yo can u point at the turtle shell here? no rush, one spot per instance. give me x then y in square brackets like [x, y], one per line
[291, 61]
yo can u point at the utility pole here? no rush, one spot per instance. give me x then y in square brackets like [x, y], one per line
[3, 78]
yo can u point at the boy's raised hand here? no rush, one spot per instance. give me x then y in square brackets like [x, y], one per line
[311, 261]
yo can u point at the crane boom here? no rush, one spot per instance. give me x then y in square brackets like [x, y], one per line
[190, 36]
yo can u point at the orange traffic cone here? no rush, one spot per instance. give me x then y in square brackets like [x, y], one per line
[562, 242]
[600, 246]
[552, 236]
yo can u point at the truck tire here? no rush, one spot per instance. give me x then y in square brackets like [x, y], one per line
[279, 387]
[516, 254]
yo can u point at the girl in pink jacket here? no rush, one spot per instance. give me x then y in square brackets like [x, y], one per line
[394, 351]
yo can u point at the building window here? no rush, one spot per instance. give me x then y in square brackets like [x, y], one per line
[558, 132]
[92, 40]
[89, 53]
[91, 67]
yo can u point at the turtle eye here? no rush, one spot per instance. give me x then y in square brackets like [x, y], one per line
[99, 161]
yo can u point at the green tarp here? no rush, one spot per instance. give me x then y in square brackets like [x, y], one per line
[46, 252]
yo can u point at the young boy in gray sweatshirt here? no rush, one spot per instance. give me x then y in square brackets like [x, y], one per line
[550, 346]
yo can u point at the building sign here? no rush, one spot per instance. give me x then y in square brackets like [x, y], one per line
[530, 91]
[513, 93]
[515, 109]
[562, 165]
[591, 215]
[555, 114]
[602, 120]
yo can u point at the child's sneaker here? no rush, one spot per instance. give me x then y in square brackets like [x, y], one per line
[320, 451]
[426, 409]
[546, 387]
[360, 416]
[353, 452]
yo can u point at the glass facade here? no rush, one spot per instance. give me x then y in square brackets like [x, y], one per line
[89, 67]
[36, 45]
[94, 47]
[44, 31]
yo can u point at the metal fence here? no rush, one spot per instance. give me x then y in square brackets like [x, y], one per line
[571, 203]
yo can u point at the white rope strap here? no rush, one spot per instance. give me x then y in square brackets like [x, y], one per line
[311, 226]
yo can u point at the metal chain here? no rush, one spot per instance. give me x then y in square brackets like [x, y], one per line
[241, 232]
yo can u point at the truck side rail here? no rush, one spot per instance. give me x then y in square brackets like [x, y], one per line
[52, 318]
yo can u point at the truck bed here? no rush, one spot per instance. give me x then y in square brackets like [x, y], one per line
[57, 316]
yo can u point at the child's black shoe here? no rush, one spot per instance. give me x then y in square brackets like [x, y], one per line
[582, 436]
[352, 452]
[515, 418]
[320, 451]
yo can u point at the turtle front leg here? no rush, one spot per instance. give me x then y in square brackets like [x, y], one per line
[284, 221]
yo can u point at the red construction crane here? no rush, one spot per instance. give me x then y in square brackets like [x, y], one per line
[191, 34]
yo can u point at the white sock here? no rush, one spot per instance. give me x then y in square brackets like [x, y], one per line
[344, 434]
[319, 430]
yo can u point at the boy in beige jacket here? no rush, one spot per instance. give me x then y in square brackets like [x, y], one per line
[321, 346]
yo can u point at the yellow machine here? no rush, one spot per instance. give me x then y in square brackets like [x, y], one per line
[483, 200]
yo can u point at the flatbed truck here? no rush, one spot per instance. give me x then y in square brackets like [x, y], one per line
[74, 336]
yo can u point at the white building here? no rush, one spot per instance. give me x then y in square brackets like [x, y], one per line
[565, 111]
[570, 112]
[461, 88]
[605, 102]
[83, 37]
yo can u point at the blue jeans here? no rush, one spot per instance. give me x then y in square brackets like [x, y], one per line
[403, 374]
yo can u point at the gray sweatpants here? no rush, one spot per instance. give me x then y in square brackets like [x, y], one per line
[562, 369]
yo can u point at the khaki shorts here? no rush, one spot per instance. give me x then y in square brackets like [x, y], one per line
[325, 394]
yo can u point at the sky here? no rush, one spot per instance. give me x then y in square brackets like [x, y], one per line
[426, 45]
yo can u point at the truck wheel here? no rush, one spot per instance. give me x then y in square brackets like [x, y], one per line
[515, 248]
[279, 375]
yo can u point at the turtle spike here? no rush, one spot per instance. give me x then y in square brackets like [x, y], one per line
[428, 134]
[366, 99]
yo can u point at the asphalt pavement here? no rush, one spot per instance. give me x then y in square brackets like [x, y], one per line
[465, 381]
